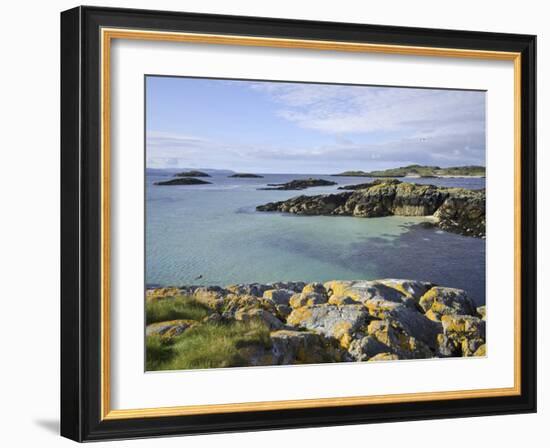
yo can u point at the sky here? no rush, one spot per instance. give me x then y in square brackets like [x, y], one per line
[282, 127]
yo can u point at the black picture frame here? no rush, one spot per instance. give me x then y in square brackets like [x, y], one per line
[81, 224]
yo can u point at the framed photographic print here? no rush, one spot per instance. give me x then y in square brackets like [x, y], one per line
[273, 223]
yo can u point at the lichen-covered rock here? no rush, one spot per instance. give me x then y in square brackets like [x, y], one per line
[316, 287]
[467, 332]
[417, 200]
[233, 303]
[169, 329]
[470, 346]
[463, 212]
[366, 347]
[440, 301]
[307, 299]
[283, 311]
[384, 357]
[341, 300]
[339, 322]
[481, 351]
[363, 290]
[293, 286]
[211, 296]
[410, 320]
[447, 347]
[411, 288]
[454, 209]
[307, 205]
[161, 293]
[398, 341]
[468, 326]
[251, 289]
[375, 201]
[482, 312]
[278, 296]
[304, 347]
[258, 314]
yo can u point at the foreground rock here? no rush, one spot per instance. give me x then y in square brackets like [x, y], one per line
[246, 176]
[183, 181]
[192, 173]
[300, 184]
[455, 210]
[339, 321]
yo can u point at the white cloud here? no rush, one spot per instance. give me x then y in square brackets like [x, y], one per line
[359, 109]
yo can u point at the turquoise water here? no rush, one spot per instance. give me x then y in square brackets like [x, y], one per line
[212, 235]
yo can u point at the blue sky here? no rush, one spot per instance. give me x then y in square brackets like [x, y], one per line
[278, 127]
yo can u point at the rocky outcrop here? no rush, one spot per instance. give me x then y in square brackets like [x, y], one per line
[453, 209]
[246, 176]
[369, 184]
[183, 181]
[192, 173]
[170, 328]
[300, 184]
[339, 321]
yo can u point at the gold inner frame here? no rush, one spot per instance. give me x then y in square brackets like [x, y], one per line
[107, 35]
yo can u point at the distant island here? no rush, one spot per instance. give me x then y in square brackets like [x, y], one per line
[183, 181]
[420, 171]
[246, 176]
[192, 173]
[300, 184]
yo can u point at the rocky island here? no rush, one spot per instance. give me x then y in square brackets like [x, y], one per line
[192, 173]
[455, 210]
[296, 323]
[300, 184]
[421, 171]
[246, 176]
[182, 181]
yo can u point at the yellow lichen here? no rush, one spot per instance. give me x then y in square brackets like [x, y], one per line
[341, 331]
[384, 357]
[481, 351]
[299, 315]
[161, 293]
[427, 300]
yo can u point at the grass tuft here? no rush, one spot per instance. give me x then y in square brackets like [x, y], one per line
[209, 345]
[172, 308]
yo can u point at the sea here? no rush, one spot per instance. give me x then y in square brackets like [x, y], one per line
[213, 235]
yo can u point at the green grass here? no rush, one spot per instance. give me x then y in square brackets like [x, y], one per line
[180, 307]
[209, 345]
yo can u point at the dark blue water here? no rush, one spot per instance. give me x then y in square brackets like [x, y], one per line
[214, 232]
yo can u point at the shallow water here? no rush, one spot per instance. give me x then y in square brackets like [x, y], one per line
[212, 235]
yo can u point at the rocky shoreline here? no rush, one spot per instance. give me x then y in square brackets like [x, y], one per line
[335, 321]
[456, 210]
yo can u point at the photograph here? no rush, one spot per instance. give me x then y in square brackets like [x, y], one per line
[280, 221]
[304, 223]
